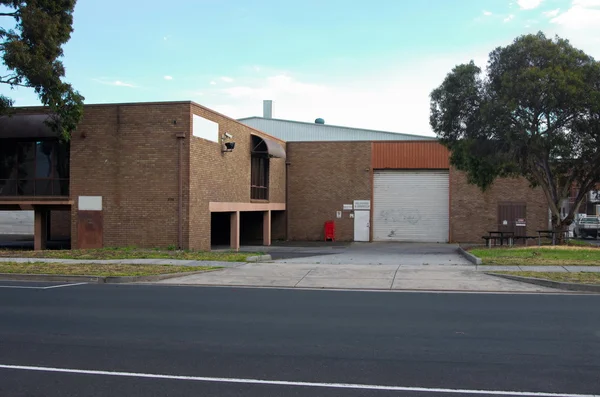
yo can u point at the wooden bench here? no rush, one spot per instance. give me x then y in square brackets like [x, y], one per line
[525, 238]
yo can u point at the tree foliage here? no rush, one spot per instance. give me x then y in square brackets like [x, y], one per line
[31, 50]
[534, 113]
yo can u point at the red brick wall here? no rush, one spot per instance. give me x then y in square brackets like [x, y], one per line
[323, 176]
[128, 155]
[473, 213]
[223, 177]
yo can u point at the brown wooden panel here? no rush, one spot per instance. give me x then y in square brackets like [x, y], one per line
[511, 212]
[409, 155]
[90, 229]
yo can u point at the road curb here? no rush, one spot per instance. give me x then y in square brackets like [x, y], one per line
[95, 279]
[549, 283]
[259, 258]
[470, 257]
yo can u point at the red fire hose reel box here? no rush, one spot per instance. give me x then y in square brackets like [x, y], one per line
[330, 230]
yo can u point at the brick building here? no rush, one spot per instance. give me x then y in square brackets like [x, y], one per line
[148, 175]
[178, 174]
[411, 192]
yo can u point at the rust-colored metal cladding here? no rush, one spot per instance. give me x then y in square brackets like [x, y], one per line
[409, 155]
[90, 233]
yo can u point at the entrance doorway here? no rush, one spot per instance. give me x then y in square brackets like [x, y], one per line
[220, 229]
[510, 216]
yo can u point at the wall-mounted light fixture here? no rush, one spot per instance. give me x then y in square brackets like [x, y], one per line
[229, 146]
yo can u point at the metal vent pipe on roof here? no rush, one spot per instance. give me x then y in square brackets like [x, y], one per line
[267, 109]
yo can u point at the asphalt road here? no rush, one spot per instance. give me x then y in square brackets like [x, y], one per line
[142, 340]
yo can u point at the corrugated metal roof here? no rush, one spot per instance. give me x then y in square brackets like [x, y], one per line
[297, 131]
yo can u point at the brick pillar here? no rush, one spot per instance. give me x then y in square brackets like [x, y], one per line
[267, 228]
[40, 229]
[235, 231]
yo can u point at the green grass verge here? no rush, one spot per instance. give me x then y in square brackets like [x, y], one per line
[539, 256]
[563, 277]
[96, 269]
[129, 253]
[580, 243]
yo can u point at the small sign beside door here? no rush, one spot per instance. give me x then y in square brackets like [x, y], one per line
[347, 207]
[520, 222]
[362, 204]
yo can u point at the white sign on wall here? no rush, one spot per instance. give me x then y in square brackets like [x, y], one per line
[347, 207]
[362, 204]
[205, 129]
[90, 203]
[338, 214]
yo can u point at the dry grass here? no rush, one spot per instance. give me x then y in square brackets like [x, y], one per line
[129, 253]
[95, 269]
[564, 277]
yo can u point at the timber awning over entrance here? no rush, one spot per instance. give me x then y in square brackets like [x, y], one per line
[270, 147]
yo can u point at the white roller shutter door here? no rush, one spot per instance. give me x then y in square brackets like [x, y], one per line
[411, 206]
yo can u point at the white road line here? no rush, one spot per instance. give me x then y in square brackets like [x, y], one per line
[292, 383]
[63, 285]
[19, 287]
[49, 287]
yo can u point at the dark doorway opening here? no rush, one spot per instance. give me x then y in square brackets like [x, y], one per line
[251, 228]
[220, 229]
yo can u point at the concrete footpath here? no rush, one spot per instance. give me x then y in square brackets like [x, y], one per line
[346, 276]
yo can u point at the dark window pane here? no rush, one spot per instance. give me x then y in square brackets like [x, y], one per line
[44, 159]
[8, 160]
[63, 188]
[8, 187]
[259, 177]
[26, 159]
[34, 168]
[62, 160]
[26, 187]
[43, 187]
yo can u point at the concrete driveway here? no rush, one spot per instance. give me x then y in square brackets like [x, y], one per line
[369, 277]
[395, 254]
[378, 266]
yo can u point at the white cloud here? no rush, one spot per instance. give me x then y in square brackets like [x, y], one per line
[227, 79]
[487, 13]
[116, 83]
[509, 18]
[213, 83]
[551, 13]
[274, 86]
[581, 25]
[395, 100]
[168, 77]
[529, 4]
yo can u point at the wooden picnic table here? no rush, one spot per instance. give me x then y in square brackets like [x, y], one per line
[551, 234]
[499, 235]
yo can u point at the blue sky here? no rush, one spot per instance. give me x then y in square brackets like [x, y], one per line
[361, 64]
